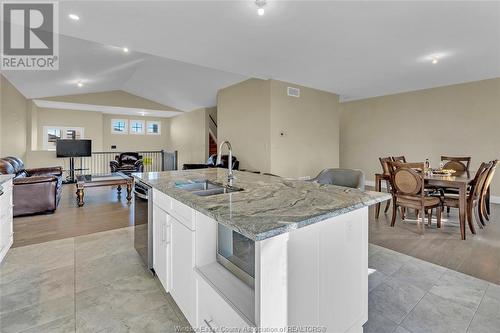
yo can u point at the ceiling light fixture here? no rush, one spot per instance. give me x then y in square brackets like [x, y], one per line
[260, 6]
[434, 61]
[125, 49]
[74, 17]
[79, 84]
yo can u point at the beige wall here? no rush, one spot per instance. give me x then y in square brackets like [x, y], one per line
[189, 136]
[243, 118]
[40, 117]
[310, 127]
[253, 114]
[90, 121]
[134, 142]
[454, 120]
[14, 124]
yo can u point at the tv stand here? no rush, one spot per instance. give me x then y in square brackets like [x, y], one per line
[71, 179]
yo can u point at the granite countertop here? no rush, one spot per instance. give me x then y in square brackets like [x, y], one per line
[4, 178]
[268, 206]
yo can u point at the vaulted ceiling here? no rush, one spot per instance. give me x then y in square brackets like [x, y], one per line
[182, 52]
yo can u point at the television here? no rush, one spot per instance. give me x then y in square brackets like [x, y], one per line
[73, 148]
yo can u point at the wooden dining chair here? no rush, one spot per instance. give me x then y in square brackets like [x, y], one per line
[473, 197]
[409, 192]
[385, 176]
[484, 200]
[459, 164]
[400, 159]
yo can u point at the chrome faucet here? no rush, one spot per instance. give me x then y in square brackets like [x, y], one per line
[230, 175]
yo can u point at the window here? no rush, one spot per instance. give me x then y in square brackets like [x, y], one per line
[119, 126]
[137, 127]
[53, 133]
[154, 127]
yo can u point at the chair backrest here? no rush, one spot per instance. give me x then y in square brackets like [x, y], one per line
[384, 161]
[489, 177]
[458, 164]
[400, 159]
[406, 179]
[480, 179]
[128, 158]
[342, 177]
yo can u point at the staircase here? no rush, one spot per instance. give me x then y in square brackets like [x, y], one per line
[212, 145]
[212, 136]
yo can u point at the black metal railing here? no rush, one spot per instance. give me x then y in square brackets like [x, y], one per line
[153, 161]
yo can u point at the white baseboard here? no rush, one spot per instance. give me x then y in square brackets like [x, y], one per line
[493, 199]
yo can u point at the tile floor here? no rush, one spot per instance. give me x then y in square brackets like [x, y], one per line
[96, 283]
[407, 294]
[92, 283]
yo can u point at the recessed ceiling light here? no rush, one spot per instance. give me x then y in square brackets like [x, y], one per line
[434, 61]
[74, 17]
[143, 113]
[260, 6]
[79, 84]
[125, 49]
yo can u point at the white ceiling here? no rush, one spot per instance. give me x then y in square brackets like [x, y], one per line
[355, 49]
[104, 68]
[105, 109]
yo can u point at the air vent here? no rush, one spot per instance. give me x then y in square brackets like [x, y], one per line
[294, 92]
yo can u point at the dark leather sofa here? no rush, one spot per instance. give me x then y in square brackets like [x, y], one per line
[211, 163]
[35, 190]
[127, 163]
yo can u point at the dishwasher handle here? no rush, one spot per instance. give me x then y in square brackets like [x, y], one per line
[140, 195]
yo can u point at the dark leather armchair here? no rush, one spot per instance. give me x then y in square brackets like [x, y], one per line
[35, 190]
[127, 163]
[211, 163]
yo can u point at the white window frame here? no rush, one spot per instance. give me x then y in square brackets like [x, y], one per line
[153, 122]
[142, 122]
[125, 131]
[63, 130]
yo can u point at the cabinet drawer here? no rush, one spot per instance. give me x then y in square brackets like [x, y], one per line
[183, 213]
[162, 200]
[214, 311]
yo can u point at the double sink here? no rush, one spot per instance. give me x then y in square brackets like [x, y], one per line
[205, 188]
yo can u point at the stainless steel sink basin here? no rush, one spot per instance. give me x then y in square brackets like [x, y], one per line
[198, 186]
[207, 188]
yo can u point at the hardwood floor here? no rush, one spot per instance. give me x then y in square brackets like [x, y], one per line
[103, 210]
[478, 255]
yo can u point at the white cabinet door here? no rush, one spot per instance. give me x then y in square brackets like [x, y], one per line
[160, 245]
[183, 285]
[6, 235]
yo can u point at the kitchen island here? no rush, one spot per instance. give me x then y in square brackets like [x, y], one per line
[309, 251]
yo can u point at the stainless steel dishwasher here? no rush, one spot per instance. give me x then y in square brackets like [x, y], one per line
[143, 222]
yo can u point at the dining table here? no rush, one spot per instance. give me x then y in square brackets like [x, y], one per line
[459, 181]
